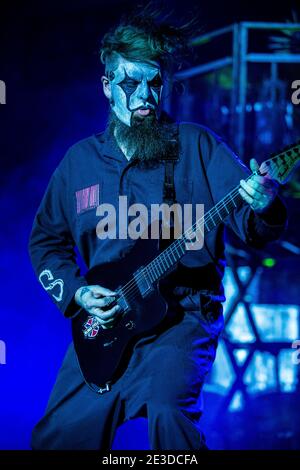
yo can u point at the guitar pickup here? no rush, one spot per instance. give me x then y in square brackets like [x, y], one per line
[122, 302]
[143, 282]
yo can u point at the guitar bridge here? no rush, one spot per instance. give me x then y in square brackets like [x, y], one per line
[105, 389]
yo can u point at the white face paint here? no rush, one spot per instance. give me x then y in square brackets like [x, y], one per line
[135, 86]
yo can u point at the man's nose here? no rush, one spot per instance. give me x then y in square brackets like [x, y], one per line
[144, 91]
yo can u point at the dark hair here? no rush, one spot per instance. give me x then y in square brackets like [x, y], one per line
[143, 37]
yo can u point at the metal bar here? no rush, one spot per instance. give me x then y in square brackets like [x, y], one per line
[242, 89]
[199, 40]
[270, 346]
[265, 25]
[204, 68]
[275, 57]
[235, 80]
[238, 383]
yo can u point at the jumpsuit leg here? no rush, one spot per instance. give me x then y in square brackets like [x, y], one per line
[175, 406]
[167, 380]
[163, 382]
[76, 417]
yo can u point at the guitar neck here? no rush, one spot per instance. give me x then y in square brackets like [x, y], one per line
[278, 167]
[168, 258]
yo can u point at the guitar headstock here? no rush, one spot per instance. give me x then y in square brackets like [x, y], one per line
[280, 166]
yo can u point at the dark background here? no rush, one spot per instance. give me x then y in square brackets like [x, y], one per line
[50, 64]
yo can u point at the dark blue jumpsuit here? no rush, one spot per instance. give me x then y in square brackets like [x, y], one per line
[166, 372]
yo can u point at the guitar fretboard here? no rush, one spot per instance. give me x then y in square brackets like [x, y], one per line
[277, 167]
[157, 268]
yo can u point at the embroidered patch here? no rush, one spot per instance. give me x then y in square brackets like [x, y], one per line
[45, 277]
[91, 328]
[87, 198]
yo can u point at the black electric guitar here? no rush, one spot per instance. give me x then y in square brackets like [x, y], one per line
[103, 353]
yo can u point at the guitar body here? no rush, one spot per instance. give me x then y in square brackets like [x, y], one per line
[104, 353]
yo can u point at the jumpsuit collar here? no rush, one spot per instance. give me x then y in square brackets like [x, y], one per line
[110, 147]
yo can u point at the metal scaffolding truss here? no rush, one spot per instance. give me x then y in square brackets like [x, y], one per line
[239, 59]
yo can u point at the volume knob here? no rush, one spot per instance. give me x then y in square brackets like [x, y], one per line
[130, 325]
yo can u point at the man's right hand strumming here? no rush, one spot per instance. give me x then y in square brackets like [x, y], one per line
[95, 300]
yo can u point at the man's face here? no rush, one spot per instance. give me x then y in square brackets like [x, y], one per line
[136, 89]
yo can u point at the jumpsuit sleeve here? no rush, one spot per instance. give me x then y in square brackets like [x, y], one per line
[51, 248]
[224, 172]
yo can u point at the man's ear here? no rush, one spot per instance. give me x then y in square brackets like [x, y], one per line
[106, 86]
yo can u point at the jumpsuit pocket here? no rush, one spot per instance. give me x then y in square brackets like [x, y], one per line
[211, 312]
[206, 308]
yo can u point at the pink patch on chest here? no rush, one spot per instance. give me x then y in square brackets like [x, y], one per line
[87, 198]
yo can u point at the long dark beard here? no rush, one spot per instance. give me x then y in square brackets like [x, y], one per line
[150, 139]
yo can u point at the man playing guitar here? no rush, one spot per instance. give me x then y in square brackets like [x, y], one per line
[164, 375]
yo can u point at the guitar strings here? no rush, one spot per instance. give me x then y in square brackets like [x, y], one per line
[133, 282]
[131, 288]
[169, 250]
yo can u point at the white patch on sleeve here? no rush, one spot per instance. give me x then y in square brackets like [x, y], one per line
[45, 277]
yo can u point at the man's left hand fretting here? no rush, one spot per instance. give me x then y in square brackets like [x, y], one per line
[258, 191]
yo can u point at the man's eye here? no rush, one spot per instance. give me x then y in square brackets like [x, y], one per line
[131, 83]
[156, 82]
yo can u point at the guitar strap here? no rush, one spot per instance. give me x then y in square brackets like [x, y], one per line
[169, 192]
